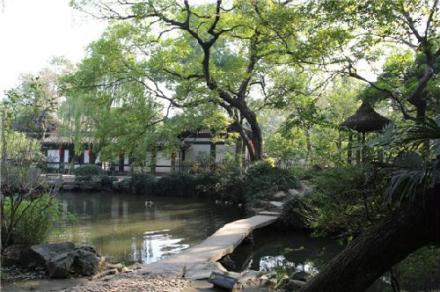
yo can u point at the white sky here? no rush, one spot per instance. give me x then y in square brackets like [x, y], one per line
[34, 31]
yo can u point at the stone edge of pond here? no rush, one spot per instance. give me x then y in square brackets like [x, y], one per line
[199, 261]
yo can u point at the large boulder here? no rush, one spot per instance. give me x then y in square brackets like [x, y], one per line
[61, 266]
[41, 254]
[86, 261]
[82, 261]
[63, 260]
[20, 255]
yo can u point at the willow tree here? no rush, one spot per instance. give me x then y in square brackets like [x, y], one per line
[107, 102]
[219, 53]
[104, 101]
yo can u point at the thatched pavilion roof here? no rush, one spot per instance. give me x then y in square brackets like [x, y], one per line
[366, 119]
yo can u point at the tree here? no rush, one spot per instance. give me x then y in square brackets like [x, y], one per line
[218, 53]
[107, 103]
[415, 222]
[307, 128]
[411, 27]
[35, 100]
[23, 205]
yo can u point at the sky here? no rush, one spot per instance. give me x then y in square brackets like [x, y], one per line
[34, 31]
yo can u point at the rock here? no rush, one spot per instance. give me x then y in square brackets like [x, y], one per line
[204, 270]
[300, 275]
[262, 204]
[279, 195]
[118, 266]
[61, 266]
[270, 213]
[126, 270]
[306, 188]
[294, 192]
[89, 248]
[228, 263]
[249, 279]
[105, 273]
[276, 204]
[223, 281]
[16, 255]
[44, 253]
[292, 285]
[63, 260]
[85, 262]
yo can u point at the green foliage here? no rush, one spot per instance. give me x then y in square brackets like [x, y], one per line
[32, 221]
[178, 184]
[307, 132]
[21, 148]
[262, 178]
[347, 200]
[298, 214]
[142, 184]
[420, 271]
[92, 177]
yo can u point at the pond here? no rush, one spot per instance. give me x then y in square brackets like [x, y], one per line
[272, 249]
[123, 229]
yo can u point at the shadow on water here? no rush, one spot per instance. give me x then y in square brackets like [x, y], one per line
[123, 229]
[272, 248]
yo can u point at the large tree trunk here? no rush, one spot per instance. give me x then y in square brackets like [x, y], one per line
[256, 147]
[379, 248]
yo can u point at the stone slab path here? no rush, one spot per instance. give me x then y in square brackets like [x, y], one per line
[200, 260]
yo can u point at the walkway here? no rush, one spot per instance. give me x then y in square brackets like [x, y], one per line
[199, 261]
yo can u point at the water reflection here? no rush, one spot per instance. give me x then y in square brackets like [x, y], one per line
[123, 229]
[277, 249]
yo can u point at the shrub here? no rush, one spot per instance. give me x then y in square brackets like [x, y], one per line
[88, 170]
[142, 184]
[123, 185]
[348, 199]
[31, 221]
[107, 181]
[176, 184]
[263, 178]
[420, 271]
[226, 182]
[297, 214]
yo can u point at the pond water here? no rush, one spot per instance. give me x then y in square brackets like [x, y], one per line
[272, 249]
[123, 229]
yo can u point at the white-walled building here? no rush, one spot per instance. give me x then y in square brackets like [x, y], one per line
[194, 147]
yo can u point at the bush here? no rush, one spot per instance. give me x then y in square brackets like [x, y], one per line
[262, 179]
[226, 182]
[31, 221]
[142, 184]
[348, 199]
[123, 185]
[176, 184]
[297, 214]
[420, 271]
[88, 170]
[107, 181]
